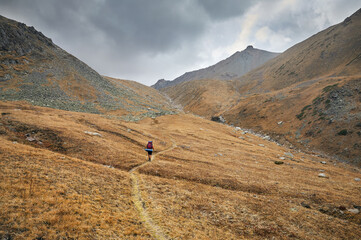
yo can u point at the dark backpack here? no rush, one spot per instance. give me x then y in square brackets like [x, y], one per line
[150, 145]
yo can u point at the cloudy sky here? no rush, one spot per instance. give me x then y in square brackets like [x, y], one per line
[145, 40]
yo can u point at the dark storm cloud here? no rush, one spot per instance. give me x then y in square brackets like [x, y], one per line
[225, 9]
[117, 33]
[145, 25]
[145, 40]
[149, 25]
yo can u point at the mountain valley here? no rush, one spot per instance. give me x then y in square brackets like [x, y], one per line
[285, 164]
[295, 97]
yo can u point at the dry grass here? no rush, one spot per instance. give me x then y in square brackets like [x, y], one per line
[52, 196]
[144, 98]
[215, 184]
[262, 112]
[73, 85]
[241, 192]
[20, 64]
[281, 88]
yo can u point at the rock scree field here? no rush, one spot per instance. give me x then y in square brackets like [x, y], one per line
[70, 175]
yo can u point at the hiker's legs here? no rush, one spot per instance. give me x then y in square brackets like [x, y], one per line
[149, 156]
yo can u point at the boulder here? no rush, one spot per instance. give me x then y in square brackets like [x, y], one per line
[219, 119]
[322, 175]
[353, 210]
[288, 154]
[305, 205]
[93, 133]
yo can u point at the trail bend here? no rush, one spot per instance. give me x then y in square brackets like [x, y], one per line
[153, 228]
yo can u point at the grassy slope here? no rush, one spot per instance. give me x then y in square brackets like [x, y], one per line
[203, 97]
[34, 69]
[313, 88]
[216, 182]
[335, 51]
[311, 117]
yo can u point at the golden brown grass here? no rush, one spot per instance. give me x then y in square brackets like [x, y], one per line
[73, 85]
[241, 192]
[279, 90]
[215, 184]
[141, 96]
[262, 112]
[52, 196]
[21, 64]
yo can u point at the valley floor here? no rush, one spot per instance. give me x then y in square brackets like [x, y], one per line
[67, 175]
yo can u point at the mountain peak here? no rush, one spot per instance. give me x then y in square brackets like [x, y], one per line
[232, 67]
[16, 36]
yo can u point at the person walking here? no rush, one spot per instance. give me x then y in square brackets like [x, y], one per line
[150, 149]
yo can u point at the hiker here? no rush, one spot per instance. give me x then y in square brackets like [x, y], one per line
[150, 150]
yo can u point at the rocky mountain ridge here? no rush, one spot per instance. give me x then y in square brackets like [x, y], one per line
[335, 51]
[312, 90]
[230, 68]
[34, 69]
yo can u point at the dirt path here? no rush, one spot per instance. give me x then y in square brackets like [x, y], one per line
[153, 229]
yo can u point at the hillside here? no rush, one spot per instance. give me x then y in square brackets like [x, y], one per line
[204, 97]
[73, 165]
[79, 175]
[308, 96]
[34, 69]
[233, 67]
[335, 51]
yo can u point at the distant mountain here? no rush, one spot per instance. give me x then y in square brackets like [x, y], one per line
[309, 95]
[233, 67]
[335, 51]
[34, 69]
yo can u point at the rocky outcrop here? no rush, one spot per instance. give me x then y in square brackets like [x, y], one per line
[161, 83]
[219, 119]
[15, 36]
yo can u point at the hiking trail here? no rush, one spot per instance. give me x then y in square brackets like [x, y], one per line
[153, 229]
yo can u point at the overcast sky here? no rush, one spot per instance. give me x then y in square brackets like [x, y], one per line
[145, 40]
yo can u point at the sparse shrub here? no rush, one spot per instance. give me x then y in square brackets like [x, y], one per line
[329, 88]
[300, 116]
[358, 125]
[343, 132]
[306, 108]
[310, 133]
[317, 100]
[292, 73]
[328, 103]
